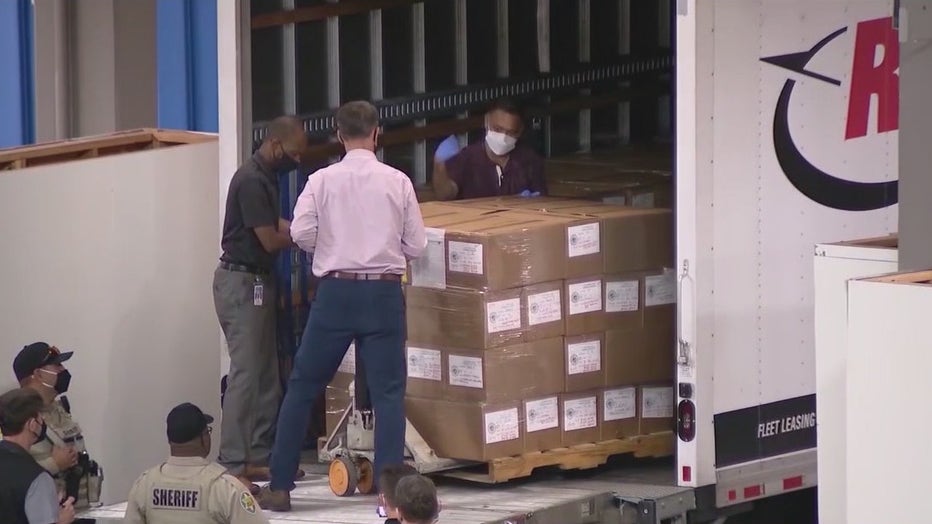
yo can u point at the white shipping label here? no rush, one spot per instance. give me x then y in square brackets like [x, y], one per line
[542, 414]
[581, 413]
[430, 269]
[657, 402]
[660, 289]
[619, 404]
[584, 357]
[582, 240]
[501, 426]
[585, 297]
[544, 307]
[622, 296]
[465, 257]
[503, 315]
[424, 364]
[643, 199]
[348, 365]
[465, 371]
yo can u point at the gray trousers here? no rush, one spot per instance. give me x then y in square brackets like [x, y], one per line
[250, 407]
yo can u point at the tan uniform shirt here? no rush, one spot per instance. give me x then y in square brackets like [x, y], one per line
[191, 490]
[62, 431]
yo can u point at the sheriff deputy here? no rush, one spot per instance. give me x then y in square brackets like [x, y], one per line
[189, 489]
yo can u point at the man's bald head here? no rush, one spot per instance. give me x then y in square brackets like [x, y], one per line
[284, 128]
[284, 144]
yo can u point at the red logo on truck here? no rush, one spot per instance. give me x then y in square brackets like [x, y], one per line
[873, 72]
[874, 38]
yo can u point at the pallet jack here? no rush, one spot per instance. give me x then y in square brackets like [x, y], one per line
[350, 447]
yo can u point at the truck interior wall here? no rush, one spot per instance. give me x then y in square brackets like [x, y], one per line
[915, 121]
[112, 258]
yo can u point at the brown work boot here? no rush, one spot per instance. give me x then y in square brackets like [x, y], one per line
[253, 489]
[262, 474]
[274, 500]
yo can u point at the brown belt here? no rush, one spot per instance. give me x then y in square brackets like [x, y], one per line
[364, 276]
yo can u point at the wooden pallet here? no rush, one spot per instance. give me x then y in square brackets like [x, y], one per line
[96, 146]
[583, 456]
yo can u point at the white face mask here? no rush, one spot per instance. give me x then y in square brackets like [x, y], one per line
[500, 143]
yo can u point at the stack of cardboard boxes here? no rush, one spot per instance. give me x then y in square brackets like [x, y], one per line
[536, 324]
[633, 176]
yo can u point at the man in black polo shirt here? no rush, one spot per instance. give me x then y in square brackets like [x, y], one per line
[245, 299]
[27, 492]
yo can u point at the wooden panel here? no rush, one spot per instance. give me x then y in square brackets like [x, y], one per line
[96, 146]
[322, 12]
[583, 456]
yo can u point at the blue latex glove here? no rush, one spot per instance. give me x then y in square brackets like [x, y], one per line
[447, 149]
[527, 194]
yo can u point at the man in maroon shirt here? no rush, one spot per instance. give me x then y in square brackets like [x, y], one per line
[495, 166]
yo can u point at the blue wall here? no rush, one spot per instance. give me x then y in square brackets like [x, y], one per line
[187, 64]
[17, 97]
[186, 57]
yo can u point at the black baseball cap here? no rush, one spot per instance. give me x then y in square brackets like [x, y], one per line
[186, 422]
[35, 356]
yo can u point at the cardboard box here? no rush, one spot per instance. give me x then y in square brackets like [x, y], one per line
[464, 318]
[584, 357]
[600, 238]
[542, 307]
[505, 249]
[622, 301]
[657, 408]
[582, 233]
[630, 239]
[638, 189]
[584, 306]
[514, 372]
[659, 298]
[425, 371]
[579, 417]
[346, 373]
[618, 412]
[542, 424]
[642, 355]
[336, 399]
[468, 430]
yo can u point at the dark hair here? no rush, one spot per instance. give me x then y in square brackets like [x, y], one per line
[416, 499]
[17, 407]
[506, 105]
[357, 119]
[388, 480]
[284, 128]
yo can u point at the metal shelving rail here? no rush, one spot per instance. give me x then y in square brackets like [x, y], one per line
[459, 100]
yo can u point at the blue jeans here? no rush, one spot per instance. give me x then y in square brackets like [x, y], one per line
[371, 312]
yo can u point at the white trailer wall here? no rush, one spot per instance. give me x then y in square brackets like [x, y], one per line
[772, 157]
[113, 258]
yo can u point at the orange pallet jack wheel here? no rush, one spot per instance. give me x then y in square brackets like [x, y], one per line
[366, 484]
[343, 477]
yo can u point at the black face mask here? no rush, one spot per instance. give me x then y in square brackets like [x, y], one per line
[42, 433]
[62, 381]
[285, 164]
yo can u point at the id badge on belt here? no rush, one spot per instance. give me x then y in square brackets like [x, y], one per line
[258, 292]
